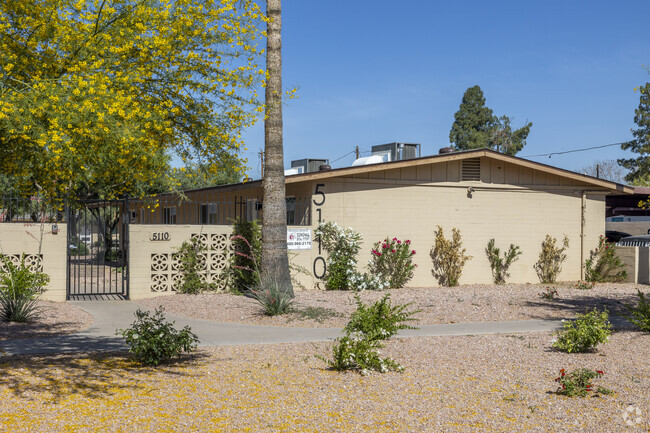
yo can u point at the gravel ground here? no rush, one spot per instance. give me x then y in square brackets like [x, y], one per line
[54, 318]
[496, 383]
[469, 303]
[492, 383]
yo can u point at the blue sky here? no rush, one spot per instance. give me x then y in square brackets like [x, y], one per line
[374, 72]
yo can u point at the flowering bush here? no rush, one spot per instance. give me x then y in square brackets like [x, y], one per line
[369, 325]
[549, 265]
[272, 296]
[550, 294]
[585, 285]
[603, 265]
[501, 265]
[392, 261]
[584, 333]
[20, 288]
[578, 383]
[342, 246]
[448, 258]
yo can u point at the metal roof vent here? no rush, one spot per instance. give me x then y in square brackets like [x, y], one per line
[471, 169]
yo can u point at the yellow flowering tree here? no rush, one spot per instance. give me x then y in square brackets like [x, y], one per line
[95, 94]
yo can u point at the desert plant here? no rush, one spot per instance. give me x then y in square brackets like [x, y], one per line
[640, 314]
[585, 285]
[342, 246]
[603, 265]
[272, 296]
[448, 257]
[20, 288]
[153, 340]
[550, 294]
[578, 382]
[190, 266]
[247, 250]
[392, 261]
[498, 264]
[549, 265]
[369, 325]
[584, 333]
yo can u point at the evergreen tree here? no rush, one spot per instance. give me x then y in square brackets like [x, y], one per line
[476, 127]
[639, 167]
[473, 122]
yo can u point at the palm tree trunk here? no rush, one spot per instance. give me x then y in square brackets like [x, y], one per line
[275, 262]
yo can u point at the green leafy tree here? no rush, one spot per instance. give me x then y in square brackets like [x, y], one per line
[639, 167]
[96, 93]
[476, 127]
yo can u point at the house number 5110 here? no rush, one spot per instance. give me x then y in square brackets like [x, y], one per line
[319, 202]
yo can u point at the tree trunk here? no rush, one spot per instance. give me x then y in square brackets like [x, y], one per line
[275, 262]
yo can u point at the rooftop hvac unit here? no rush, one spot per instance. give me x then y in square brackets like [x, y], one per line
[293, 170]
[309, 165]
[374, 159]
[397, 151]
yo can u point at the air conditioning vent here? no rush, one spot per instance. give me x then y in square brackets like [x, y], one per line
[471, 169]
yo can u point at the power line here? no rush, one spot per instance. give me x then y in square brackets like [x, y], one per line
[338, 159]
[572, 151]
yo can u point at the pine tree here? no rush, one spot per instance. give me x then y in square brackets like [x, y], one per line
[473, 122]
[639, 167]
[476, 127]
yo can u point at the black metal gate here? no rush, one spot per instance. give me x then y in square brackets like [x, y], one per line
[98, 246]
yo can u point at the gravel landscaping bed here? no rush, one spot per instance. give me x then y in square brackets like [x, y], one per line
[500, 383]
[54, 318]
[468, 303]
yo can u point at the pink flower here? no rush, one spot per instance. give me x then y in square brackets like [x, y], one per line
[378, 254]
[399, 242]
[413, 252]
[408, 242]
[384, 246]
[394, 239]
[392, 251]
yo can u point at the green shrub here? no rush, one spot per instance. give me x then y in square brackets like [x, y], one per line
[20, 288]
[274, 298]
[549, 294]
[190, 267]
[584, 333]
[603, 265]
[578, 383]
[549, 265]
[369, 325]
[392, 261]
[152, 340]
[247, 251]
[342, 247]
[585, 285]
[640, 314]
[448, 257]
[501, 265]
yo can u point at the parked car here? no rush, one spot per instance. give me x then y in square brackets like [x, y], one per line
[634, 241]
[614, 236]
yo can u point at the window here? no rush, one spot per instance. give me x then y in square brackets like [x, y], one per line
[252, 208]
[169, 215]
[291, 210]
[208, 213]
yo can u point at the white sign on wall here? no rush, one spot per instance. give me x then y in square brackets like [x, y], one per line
[299, 239]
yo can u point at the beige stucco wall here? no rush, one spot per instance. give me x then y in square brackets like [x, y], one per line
[19, 238]
[410, 203]
[152, 268]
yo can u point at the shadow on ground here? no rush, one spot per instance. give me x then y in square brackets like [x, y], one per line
[569, 307]
[53, 378]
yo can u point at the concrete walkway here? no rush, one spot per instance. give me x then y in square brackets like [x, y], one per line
[112, 315]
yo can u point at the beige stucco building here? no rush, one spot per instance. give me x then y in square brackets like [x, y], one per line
[482, 193]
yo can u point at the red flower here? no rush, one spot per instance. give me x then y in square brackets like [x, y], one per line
[384, 246]
[392, 251]
[413, 252]
[408, 242]
[399, 242]
[394, 239]
[601, 372]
